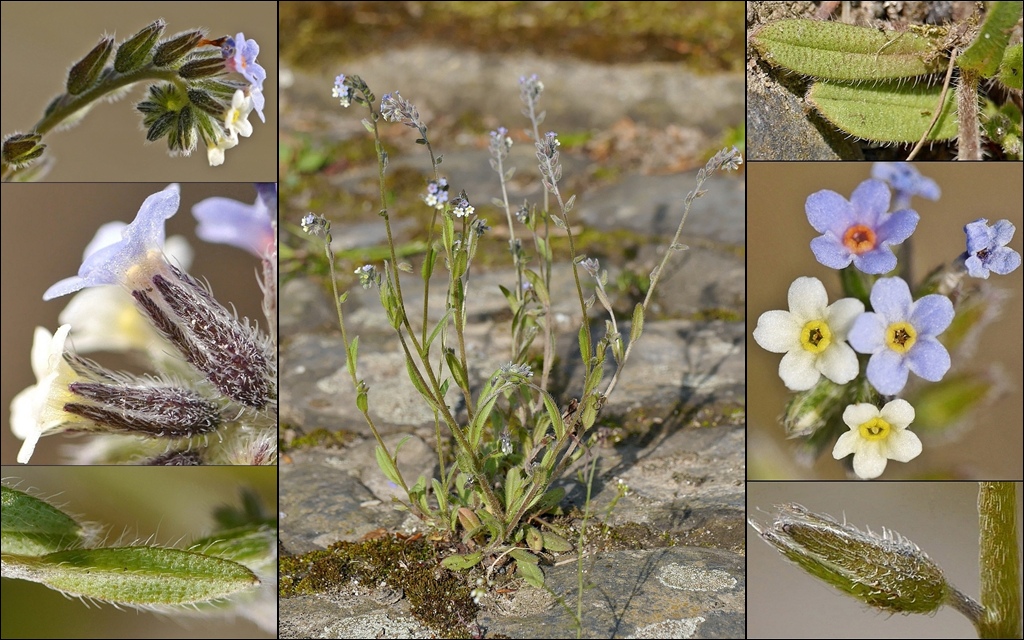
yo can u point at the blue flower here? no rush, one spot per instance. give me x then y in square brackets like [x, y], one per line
[987, 250]
[906, 181]
[859, 231]
[240, 56]
[248, 227]
[901, 335]
[141, 244]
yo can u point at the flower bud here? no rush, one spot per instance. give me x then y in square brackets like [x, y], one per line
[84, 72]
[887, 571]
[204, 101]
[172, 50]
[201, 68]
[20, 149]
[132, 53]
[161, 411]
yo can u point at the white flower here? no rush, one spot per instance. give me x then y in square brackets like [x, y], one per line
[40, 408]
[237, 117]
[877, 436]
[215, 152]
[812, 334]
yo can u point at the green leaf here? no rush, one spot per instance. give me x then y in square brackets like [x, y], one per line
[493, 526]
[460, 562]
[886, 112]
[513, 489]
[483, 415]
[551, 499]
[986, 52]
[1010, 69]
[637, 327]
[455, 367]
[556, 543]
[531, 573]
[522, 555]
[584, 338]
[839, 51]
[553, 413]
[352, 353]
[534, 538]
[33, 527]
[138, 576]
[387, 465]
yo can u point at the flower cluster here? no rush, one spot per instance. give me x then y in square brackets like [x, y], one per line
[215, 375]
[437, 193]
[899, 332]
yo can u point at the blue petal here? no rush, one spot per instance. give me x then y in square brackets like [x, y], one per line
[1003, 260]
[108, 264]
[829, 211]
[891, 298]
[928, 359]
[932, 314]
[898, 227]
[888, 372]
[868, 333]
[871, 201]
[830, 252]
[876, 262]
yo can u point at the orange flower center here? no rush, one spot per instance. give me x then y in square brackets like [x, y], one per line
[859, 239]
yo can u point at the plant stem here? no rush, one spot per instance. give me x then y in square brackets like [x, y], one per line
[967, 113]
[999, 561]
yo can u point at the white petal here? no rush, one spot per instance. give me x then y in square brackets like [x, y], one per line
[846, 444]
[902, 445]
[777, 331]
[857, 414]
[797, 370]
[841, 314]
[838, 363]
[807, 299]
[899, 413]
[869, 462]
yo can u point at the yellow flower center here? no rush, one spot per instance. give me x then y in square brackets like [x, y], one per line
[900, 336]
[816, 336]
[875, 429]
[859, 239]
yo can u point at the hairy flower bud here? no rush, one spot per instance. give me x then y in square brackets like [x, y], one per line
[202, 68]
[172, 50]
[887, 571]
[83, 73]
[133, 52]
[20, 149]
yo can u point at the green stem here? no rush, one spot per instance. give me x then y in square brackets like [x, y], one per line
[999, 561]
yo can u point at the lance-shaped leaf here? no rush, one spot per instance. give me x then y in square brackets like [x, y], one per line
[840, 51]
[33, 527]
[135, 576]
[986, 52]
[886, 112]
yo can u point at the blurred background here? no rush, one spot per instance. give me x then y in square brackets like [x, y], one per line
[110, 144]
[169, 506]
[987, 444]
[45, 229]
[783, 601]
